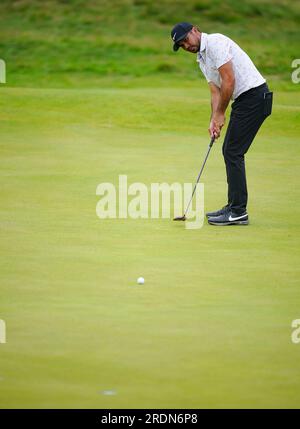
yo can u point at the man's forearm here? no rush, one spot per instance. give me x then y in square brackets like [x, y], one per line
[226, 91]
[215, 98]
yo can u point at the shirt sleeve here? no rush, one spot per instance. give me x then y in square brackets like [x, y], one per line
[219, 50]
[207, 78]
[202, 68]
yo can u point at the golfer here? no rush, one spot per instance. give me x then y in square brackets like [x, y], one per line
[230, 74]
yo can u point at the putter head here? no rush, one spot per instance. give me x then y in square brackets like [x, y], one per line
[180, 218]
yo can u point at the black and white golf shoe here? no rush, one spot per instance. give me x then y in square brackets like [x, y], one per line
[220, 212]
[229, 218]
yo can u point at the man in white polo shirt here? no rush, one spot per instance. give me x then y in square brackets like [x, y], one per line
[230, 74]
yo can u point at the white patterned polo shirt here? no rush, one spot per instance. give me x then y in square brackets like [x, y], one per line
[216, 50]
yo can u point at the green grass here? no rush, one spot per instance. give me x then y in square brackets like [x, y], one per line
[211, 327]
[85, 43]
[93, 91]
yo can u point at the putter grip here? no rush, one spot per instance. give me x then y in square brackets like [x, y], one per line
[212, 141]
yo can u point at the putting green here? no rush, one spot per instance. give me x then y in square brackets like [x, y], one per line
[211, 326]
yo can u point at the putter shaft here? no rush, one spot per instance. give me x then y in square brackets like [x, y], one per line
[198, 178]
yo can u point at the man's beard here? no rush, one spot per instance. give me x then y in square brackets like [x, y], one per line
[194, 48]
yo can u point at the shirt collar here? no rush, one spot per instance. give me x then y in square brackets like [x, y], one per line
[202, 45]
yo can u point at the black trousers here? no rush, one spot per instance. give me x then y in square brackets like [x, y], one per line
[247, 115]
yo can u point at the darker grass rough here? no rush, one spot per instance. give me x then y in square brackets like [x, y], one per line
[71, 43]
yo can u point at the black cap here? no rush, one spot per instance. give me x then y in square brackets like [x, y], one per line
[179, 32]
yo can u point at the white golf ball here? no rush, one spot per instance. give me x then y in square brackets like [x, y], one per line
[141, 280]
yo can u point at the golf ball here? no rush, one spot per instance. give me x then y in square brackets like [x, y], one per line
[141, 280]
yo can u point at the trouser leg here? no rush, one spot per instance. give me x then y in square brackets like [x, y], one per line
[245, 120]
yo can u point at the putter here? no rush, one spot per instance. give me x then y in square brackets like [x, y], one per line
[183, 218]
